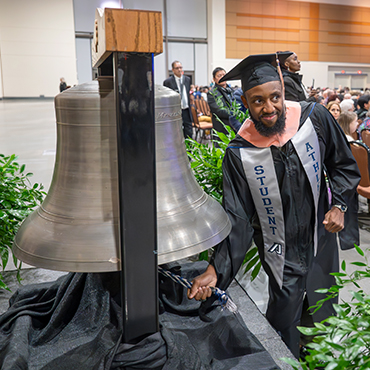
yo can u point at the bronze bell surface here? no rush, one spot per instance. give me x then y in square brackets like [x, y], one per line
[76, 227]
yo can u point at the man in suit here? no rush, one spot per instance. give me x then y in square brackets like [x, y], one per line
[181, 84]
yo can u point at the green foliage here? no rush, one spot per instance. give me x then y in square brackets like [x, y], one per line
[342, 342]
[252, 262]
[17, 200]
[233, 109]
[206, 162]
[203, 256]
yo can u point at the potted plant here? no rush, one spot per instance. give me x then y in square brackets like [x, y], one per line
[341, 342]
[18, 198]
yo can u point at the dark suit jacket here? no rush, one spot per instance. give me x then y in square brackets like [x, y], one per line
[293, 87]
[171, 83]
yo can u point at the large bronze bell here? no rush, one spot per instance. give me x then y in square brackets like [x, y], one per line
[76, 227]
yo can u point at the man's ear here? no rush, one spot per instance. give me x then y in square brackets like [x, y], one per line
[244, 100]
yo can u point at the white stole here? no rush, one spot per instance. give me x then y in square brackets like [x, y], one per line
[260, 172]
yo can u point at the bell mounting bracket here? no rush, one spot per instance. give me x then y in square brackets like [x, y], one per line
[124, 45]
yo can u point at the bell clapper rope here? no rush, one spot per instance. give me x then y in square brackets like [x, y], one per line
[222, 296]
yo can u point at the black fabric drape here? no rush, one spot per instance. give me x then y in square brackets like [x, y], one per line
[74, 323]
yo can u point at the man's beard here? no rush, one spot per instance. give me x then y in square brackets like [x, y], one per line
[277, 128]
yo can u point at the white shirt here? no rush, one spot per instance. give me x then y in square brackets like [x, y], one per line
[184, 95]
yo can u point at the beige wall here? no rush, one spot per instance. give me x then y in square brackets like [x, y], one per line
[316, 32]
[37, 45]
[318, 70]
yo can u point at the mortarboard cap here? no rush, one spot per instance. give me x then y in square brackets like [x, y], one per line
[256, 70]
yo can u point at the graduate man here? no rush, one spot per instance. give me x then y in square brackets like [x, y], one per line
[275, 194]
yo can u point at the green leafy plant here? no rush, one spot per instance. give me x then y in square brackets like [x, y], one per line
[232, 109]
[206, 162]
[18, 198]
[252, 262]
[341, 342]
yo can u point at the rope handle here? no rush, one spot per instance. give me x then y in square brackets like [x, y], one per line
[221, 295]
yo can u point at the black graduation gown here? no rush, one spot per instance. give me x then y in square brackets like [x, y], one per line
[303, 273]
[293, 86]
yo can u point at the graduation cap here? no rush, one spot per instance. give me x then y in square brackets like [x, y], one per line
[256, 70]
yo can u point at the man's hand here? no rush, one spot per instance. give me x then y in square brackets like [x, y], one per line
[201, 284]
[334, 220]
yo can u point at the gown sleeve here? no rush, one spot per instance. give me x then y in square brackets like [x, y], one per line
[291, 92]
[238, 204]
[343, 173]
[339, 161]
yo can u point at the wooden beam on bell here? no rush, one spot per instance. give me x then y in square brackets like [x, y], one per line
[130, 31]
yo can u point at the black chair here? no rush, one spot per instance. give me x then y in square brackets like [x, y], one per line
[202, 106]
[365, 135]
[361, 152]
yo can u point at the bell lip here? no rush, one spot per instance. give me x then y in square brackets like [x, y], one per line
[201, 246]
[110, 266]
[64, 265]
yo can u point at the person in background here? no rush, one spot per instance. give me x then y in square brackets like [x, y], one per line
[348, 122]
[347, 105]
[321, 100]
[364, 125]
[333, 97]
[334, 108]
[204, 91]
[347, 96]
[196, 93]
[191, 94]
[233, 120]
[62, 85]
[222, 93]
[181, 84]
[326, 94]
[294, 89]
[364, 104]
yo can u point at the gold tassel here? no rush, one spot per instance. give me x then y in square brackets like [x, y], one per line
[280, 74]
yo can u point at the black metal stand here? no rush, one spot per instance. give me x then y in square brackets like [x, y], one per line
[134, 93]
